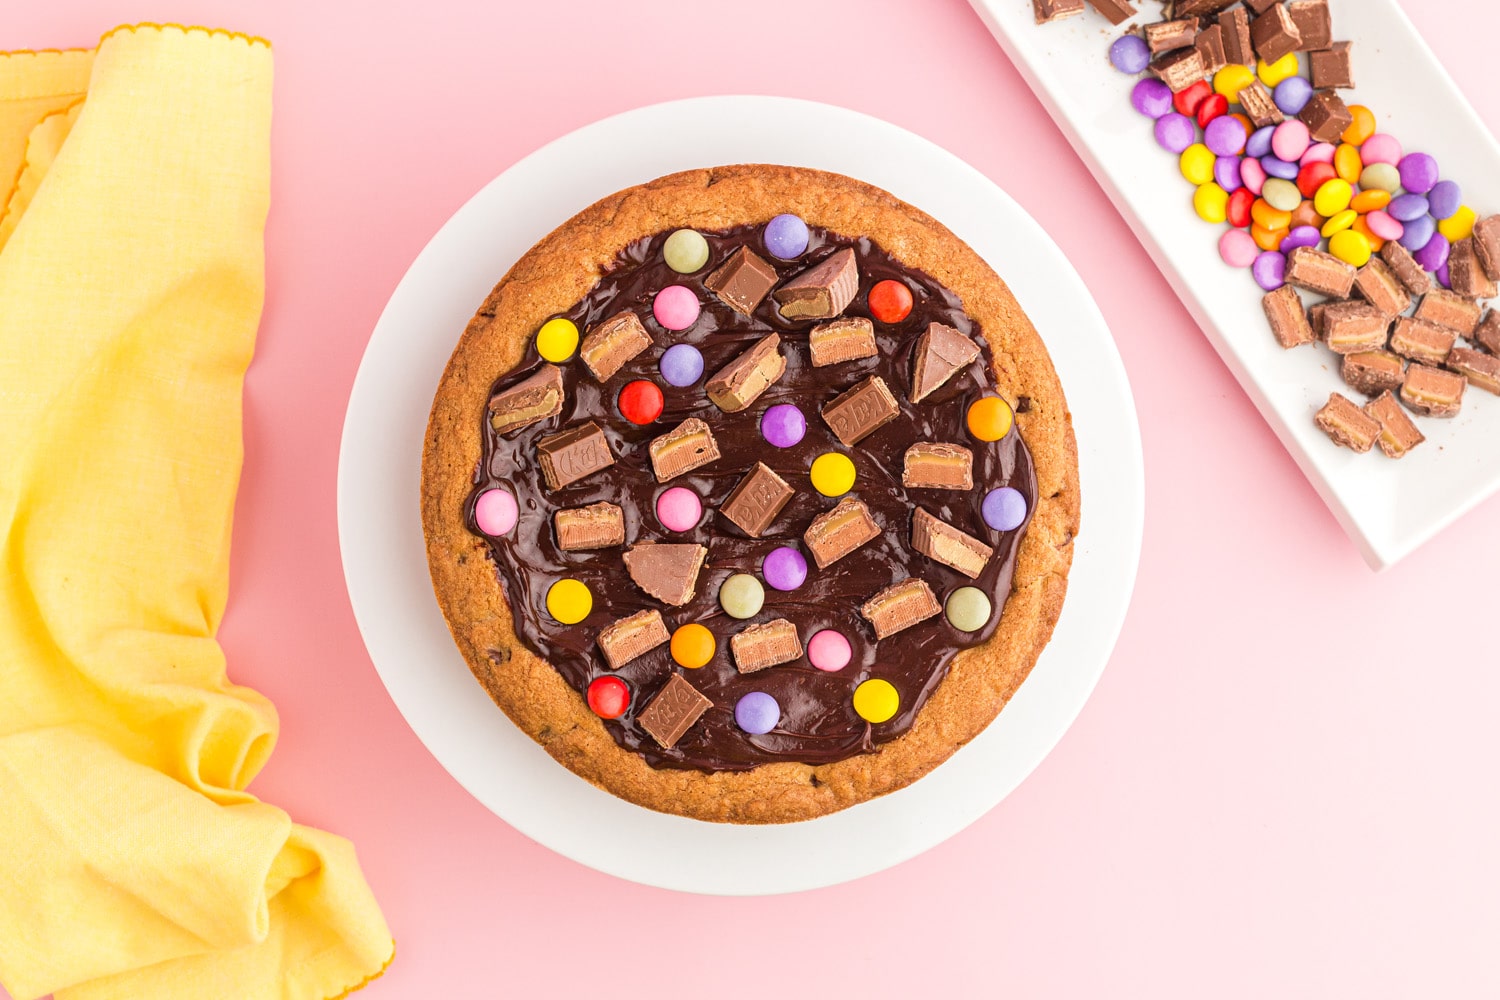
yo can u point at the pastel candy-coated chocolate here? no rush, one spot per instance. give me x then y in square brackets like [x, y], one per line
[1004, 509]
[1459, 225]
[1381, 148]
[1259, 143]
[1434, 254]
[1130, 54]
[685, 251]
[968, 609]
[675, 307]
[1175, 132]
[786, 237]
[1237, 249]
[557, 339]
[693, 645]
[495, 512]
[1443, 276]
[1189, 99]
[641, 401]
[1350, 247]
[1253, 174]
[1275, 166]
[681, 365]
[1292, 94]
[1281, 195]
[1363, 126]
[1227, 173]
[1445, 198]
[1269, 270]
[757, 713]
[1406, 207]
[876, 700]
[783, 425]
[1419, 232]
[1383, 225]
[784, 568]
[742, 596]
[1232, 79]
[1419, 172]
[832, 474]
[1318, 152]
[1333, 197]
[569, 601]
[679, 509]
[608, 697]
[1347, 163]
[1272, 74]
[889, 301]
[1197, 164]
[1211, 202]
[1301, 236]
[1290, 140]
[829, 650]
[1152, 98]
[1314, 176]
[990, 418]
[1225, 136]
[1380, 176]
[1339, 221]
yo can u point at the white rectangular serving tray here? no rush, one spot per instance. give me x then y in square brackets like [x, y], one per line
[1388, 507]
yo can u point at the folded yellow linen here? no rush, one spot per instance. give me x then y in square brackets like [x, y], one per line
[134, 182]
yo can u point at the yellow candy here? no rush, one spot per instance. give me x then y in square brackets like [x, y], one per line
[1347, 163]
[876, 700]
[1230, 80]
[832, 474]
[989, 418]
[693, 646]
[1211, 202]
[1333, 197]
[1198, 163]
[1273, 73]
[557, 339]
[569, 601]
[1459, 225]
[1340, 222]
[1351, 248]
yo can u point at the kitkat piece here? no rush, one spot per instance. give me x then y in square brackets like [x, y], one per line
[765, 645]
[1406, 269]
[1373, 372]
[1487, 333]
[756, 501]
[1432, 391]
[597, 526]
[941, 352]
[570, 455]
[668, 571]
[682, 449]
[1275, 34]
[1260, 105]
[837, 532]
[1398, 434]
[1466, 277]
[823, 290]
[1319, 272]
[1352, 327]
[1326, 116]
[1210, 46]
[1287, 317]
[1487, 245]
[1118, 11]
[1449, 309]
[855, 414]
[535, 398]
[607, 347]
[899, 607]
[673, 711]
[1238, 48]
[1347, 425]
[940, 541]
[632, 637]
[742, 281]
[1181, 69]
[1422, 341]
[1380, 287]
[1314, 23]
[740, 383]
[1482, 370]
[1054, 10]
[1332, 67]
[848, 339]
[1200, 8]
[937, 465]
[1167, 36]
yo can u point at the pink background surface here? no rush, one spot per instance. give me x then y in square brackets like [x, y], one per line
[1284, 785]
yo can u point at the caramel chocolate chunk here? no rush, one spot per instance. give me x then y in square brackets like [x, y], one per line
[836, 533]
[1347, 425]
[608, 346]
[1238, 48]
[944, 543]
[1275, 34]
[1054, 10]
[1351, 327]
[822, 291]
[570, 455]
[855, 414]
[1199, 8]
[848, 339]
[1315, 318]
[1422, 341]
[1166, 36]
[631, 637]
[1261, 6]
[1433, 392]
[1373, 372]
[684, 448]
[1482, 370]
[765, 645]
[1487, 334]
[1332, 67]
[940, 354]
[937, 466]
[1319, 272]
[1287, 317]
[1260, 105]
[1210, 46]
[740, 383]
[1487, 245]
[742, 281]
[756, 501]
[1448, 309]
[1326, 116]
[1406, 269]
[535, 398]
[1117, 11]
[668, 571]
[899, 607]
[597, 526]
[673, 711]
[1465, 275]
[1380, 287]
[1314, 23]
[1398, 435]
[1180, 70]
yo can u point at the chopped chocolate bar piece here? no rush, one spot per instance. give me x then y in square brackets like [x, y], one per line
[941, 352]
[823, 290]
[1261, 6]
[668, 571]
[1432, 391]
[944, 543]
[1482, 370]
[1181, 69]
[1210, 46]
[607, 347]
[1053, 10]
[682, 449]
[1260, 105]
[526, 402]
[570, 455]
[597, 526]
[1332, 67]
[673, 711]
[899, 607]
[938, 466]
[1422, 341]
[1351, 327]
[631, 637]
[848, 339]
[1445, 308]
[1117, 11]
[855, 414]
[765, 645]
[1487, 245]
[1381, 288]
[1465, 274]
[836, 533]
[1238, 48]
[1398, 435]
[1315, 317]
[1287, 317]
[1200, 8]
[1319, 272]
[740, 383]
[1348, 425]
[1166, 36]
[1275, 34]
[756, 501]
[742, 281]
[1373, 372]
[1326, 116]
[1406, 269]
[1487, 334]
[1314, 23]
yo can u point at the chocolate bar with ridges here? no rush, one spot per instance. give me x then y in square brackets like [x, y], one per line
[597, 526]
[1180, 70]
[1168, 36]
[899, 607]
[673, 711]
[1054, 10]
[1260, 105]
[668, 571]
[755, 502]
[855, 414]
[941, 353]
[766, 645]
[570, 455]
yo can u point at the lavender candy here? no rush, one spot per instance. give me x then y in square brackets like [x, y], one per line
[783, 425]
[681, 365]
[1292, 94]
[1224, 136]
[1435, 254]
[1302, 236]
[1175, 132]
[1269, 270]
[1152, 98]
[1442, 276]
[784, 568]
[1227, 173]
[1004, 509]
[786, 237]
[1419, 172]
[757, 713]
[1418, 233]
[1406, 207]
[1259, 143]
[1445, 199]
[1130, 54]
[1277, 167]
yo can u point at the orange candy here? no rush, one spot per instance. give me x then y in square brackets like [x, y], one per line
[1363, 126]
[1361, 227]
[1269, 218]
[1347, 163]
[1369, 201]
[1245, 121]
[1269, 239]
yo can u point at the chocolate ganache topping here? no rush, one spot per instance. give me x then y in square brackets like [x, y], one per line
[818, 722]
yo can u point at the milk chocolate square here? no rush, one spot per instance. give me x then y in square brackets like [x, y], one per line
[1422, 341]
[1117, 11]
[536, 397]
[673, 711]
[1199, 8]
[756, 501]
[570, 455]
[1210, 46]
[1326, 116]
[1351, 327]
[742, 281]
[668, 571]
[823, 290]
[1482, 370]
[855, 414]
[941, 542]
[1261, 6]
[1373, 372]
[597, 526]
[936, 465]
[1238, 48]
[1406, 269]
[1465, 275]
[1332, 67]
[1319, 272]
[740, 383]
[851, 338]
[1433, 392]
[1487, 245]
[1181, 69]
[1398, 435]
[837, 532]
[1275, 34]
[899, 607]
[1487, 333]
[632, 637]
[1288, 318]
[1347, 425]
[610, 345]
[1054, 10]
[941, 353]
[682, 449]
[1450, 309]
[765, 645]
[1166, 36]
[1260, 105]
[1314, 23]
[1380, 287]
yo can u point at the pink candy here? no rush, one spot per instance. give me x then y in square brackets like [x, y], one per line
[679, 509]
[1381, 148]
[1319, 152]
[675, 307]
[1383, 225]
[1290, 140]
[495, 512]
[829, 650]
[1238, 248]
[1253, 174]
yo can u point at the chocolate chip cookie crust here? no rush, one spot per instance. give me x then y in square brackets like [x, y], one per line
[561, 270]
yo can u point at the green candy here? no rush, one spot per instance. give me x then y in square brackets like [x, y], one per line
[1281, 195]
[742, 596]
[685, 251]
[1380, 175]
[968, 609]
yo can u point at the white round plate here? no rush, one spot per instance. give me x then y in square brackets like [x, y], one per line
[380, 530]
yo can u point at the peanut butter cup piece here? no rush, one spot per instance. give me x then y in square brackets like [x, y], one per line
[823, 290]
[940, 354]
[688, 446]
[610, 345]
[837, 532]
[849, 339]
[859, 412]
[1433, 392]
[742, 281]
[1289, 320]
[1482, 370]
[1398, 435]
[570, 455]
[899, 607]
[673, 711]
[1451, 310]
[756, 501]
[535, 398]
[632, 637]
[1347, 425]
[1422, 341]
[597, 526]
[740, 383]
[1373, 372]
[668, 571]
[937, 465]
[765, 645]
[944, 543]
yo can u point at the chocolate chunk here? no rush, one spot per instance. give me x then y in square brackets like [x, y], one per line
[1487, 245]
[684, 448]
[1406, 269]
[1314, 23]
[1167, 36]
[1200, 8]
[608, 346]
[848, 339]
[944, 543]
[740, 383]
[535, 398]
[673, 711]
[1487, 334]
[1432, 391]
[854, 414]
[937, 466]
[742, 281]
[836, 533]
[1054, 10]
[1465, 275]
[1326, 116]
[756, 501]
[597, 526]
[1260, 105]
[1380, 287]
[1210, 46]
[1422, 341]
[1180, 70]
[822, 291]
[765, 645]
[1351, 327]
[1373, 372]
[1445, 308]
[631, 637]
[570, 455]
[1348, 425]
[1332, 67]
[1315, 318]
[1319, 272]
[1261, 6]
[1482, 370]
[1238, 48]
[668, 571]
[1117, 11]
[899, 607]
[1398, 435]
[941, 352]
[1287, 317]
[1275, 34]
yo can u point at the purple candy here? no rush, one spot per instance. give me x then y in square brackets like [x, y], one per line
[1004, 509]
[783, 425]
[757, 713]
[1227, 173]
[681, 365]
[1302, 236]
[1259, 143]
[1277, 167]
[1435, 254]
[1176, 132]
[1292, 95]
[1152, 98]
[1406, 207]
[1418, 232]
[1224, 136]
[1442, 276]
[784, 568]
[1445, 199]
[1130, 54]
[1419, 172]
[1269, 270]
[786, 237]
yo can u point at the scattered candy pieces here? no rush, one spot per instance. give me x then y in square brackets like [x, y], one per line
[1004, 509]
[757, 713]
[557, 339]
[1292, 94]
[1175, 132]
[681, 365]
[569, 601]
[692, 646]
[685, 251]
[786, 237]
[742, 596]
[679, 509]
[968, 609]
[1419, 172]
[640, 401]
[1333, 197]
[1130, 54]
[1459, 225]
[1290, 140]
[1269, 270]
[1238, 248]
[608, 697]
[784, 568]
[1362, 127]
[783, 425]
[1381, 148]
[1152, 98]
[675, 307]
[989, 418]
[1350, 247]
[1197, 163]
[1211, 202]
[876, 700]
[1444, 201]
[1383, 176]
[833, 474]
[890, 301]
[829, 650]
[1232, 79]
[495, 512]
[1282, 195]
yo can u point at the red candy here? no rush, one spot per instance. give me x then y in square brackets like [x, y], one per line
[1186, 101]
[1211, 107]
[1239, 208]
[890, 301]
[1314, 176]
[608, 697]
[640, 402]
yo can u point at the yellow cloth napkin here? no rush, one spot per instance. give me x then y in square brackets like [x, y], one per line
[133, 864]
